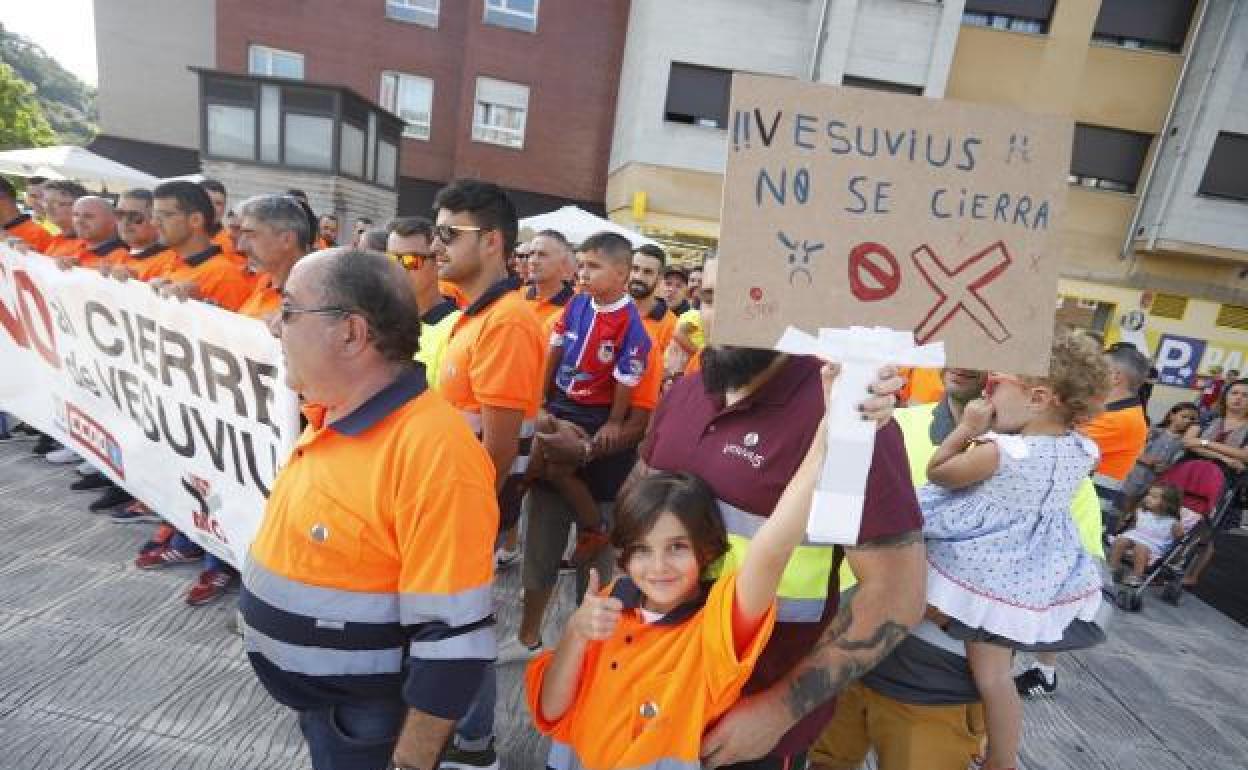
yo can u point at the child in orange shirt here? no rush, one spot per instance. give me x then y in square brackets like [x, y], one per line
[645, 666]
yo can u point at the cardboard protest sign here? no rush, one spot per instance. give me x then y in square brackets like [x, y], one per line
[851, 207]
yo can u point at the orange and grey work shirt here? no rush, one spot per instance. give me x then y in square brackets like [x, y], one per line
[647, 694]
[548, 309]
[111, 252]
[217, 278]
[65, 246]
[264, 301]
[660, 326]
[495, 358]
[370, 577]
[29, 231]
[151, 262]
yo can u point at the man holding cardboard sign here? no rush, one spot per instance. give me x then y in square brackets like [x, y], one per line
[851, 208]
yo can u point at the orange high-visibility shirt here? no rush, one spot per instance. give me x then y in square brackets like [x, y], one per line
[31, 232]
[264, 300]
[660, 325]
[150, 262]
[648, 693]
[1120, 432]
[218, 279]
[111, 252]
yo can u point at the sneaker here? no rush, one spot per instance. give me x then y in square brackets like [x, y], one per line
[161, 537]
[112, 497]
[165, 556]
[1032, 684]
[504, 557]
[86, 469]
[455, 758]
[44, 445]
[134, 513]
[211, 585]
[512, 650]
[62, 456]
[588, 545]
[94, 481]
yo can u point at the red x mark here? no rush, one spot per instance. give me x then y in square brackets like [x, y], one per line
[959, 289]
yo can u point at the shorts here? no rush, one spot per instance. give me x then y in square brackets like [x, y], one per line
[588, 417]
[904, 736]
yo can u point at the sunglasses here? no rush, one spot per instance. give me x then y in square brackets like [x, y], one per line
[411, 261]
[993, 380]
[448, 233]
[132, 217]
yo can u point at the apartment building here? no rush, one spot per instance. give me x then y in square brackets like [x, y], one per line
[520, 92]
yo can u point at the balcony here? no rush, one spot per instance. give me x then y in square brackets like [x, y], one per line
[297, 127]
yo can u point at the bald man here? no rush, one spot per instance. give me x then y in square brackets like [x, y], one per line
[95, 223]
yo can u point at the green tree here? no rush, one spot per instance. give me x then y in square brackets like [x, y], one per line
[22, 123]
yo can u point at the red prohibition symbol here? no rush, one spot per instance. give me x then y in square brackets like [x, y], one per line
[873, 260]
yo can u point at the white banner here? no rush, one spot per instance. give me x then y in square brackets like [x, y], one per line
[183, 404]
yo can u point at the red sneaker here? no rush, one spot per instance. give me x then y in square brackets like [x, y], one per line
[164, 556]
[588, 544]
[163, 534]
[212, 585]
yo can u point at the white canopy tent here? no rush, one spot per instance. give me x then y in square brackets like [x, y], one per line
[577, 224]
[72, 162]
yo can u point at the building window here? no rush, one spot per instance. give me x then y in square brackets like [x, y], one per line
[513, 14]
[414, 11]
[1107, 158]
[1232, 317]
[1172, 306]
[411, 98]
[274, 62]
[698, 95]
[1015, 15]
[231, 131]
[880, 85]
[500, 112]
[1226, 175]
[1159, 25]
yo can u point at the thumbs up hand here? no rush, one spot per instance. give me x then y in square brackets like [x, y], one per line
[597, 616]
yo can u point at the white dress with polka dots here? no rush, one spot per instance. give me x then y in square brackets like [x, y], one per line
[1004, 555]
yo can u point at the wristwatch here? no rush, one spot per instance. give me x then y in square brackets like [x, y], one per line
[1204, 442]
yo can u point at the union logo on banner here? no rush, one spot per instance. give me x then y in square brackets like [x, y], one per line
[95, 439]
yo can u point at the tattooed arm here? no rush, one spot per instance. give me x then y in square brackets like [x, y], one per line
[873, 618]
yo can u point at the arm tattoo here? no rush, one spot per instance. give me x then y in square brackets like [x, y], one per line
[818, 683]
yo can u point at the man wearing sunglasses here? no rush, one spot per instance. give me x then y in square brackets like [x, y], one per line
[148, 257]
[491, 372]
[408, 245]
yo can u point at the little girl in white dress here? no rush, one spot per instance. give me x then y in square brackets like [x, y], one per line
[1005, 563]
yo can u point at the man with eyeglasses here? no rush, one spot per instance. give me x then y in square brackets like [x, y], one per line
[186, 218]
[367, 604]
[492, 373]
[408, 244]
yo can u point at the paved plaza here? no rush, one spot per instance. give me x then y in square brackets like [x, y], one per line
[102, 666]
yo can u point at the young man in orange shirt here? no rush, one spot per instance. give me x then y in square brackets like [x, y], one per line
[148, 257]
[59, 196]
[185, 216]
[648, 264]
[491, 372]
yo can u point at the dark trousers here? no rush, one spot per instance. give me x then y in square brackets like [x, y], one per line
[353, 736]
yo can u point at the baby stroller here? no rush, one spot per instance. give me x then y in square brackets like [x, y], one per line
[1208, 490]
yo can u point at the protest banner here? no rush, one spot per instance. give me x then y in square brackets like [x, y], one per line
[850, 207]
[183, 404]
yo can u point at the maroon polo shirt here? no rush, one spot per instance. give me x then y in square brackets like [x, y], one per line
[694, 432]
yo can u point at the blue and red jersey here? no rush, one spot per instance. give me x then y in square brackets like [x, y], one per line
[601, 345]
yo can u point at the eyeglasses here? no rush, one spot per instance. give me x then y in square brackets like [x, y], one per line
[132, 217]
[448, 233]
[410, 261]
[289, 311]
[995, 379]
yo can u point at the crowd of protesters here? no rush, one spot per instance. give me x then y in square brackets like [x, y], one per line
[474, 403]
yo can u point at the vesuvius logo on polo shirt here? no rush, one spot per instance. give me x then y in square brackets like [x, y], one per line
[745, 450]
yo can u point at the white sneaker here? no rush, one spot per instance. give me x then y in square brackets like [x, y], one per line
[504, 558]
[514, 651]
[85, 469]
[62, 456]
